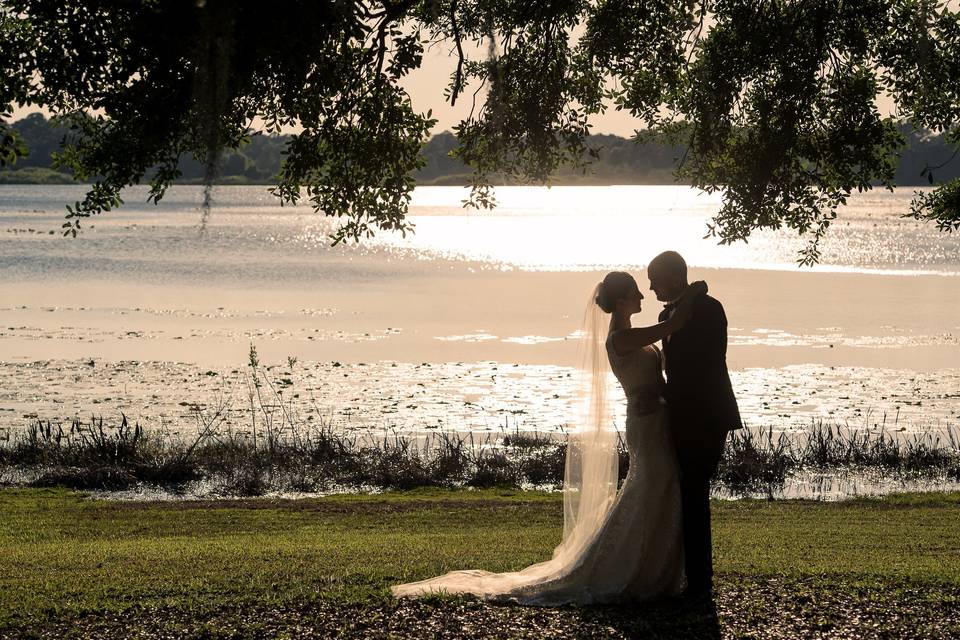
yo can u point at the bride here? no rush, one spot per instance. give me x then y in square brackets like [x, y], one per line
[621, 545]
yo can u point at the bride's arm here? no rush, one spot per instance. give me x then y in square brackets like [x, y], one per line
[627, 340]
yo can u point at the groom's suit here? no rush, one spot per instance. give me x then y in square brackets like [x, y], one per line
[702, 409]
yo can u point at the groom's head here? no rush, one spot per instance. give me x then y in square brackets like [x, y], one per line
[668, 275]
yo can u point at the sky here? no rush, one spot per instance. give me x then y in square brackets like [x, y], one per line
[426, 87]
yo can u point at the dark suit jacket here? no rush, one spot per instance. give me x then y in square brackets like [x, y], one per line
[698, 391]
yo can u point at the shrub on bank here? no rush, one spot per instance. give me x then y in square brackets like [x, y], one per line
[92, 455]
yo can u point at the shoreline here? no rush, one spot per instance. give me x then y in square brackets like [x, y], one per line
[47, 176]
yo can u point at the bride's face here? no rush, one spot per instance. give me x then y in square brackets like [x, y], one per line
[632, 303]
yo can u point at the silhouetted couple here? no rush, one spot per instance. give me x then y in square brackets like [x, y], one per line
[651, 537]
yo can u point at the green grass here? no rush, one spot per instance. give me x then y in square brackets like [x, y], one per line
[72, 566]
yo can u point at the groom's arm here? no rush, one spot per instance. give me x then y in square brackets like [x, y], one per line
[707, 332]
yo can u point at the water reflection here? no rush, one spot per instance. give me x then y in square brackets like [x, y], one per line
[533, 228]
[583, 228]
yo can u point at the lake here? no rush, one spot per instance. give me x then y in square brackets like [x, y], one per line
[469, 324]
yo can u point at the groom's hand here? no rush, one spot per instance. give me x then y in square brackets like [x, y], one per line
[693, 291]
[683, 308]
[697, 288]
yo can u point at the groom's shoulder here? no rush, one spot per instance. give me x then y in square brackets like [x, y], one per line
[710, 306]
[708, 301]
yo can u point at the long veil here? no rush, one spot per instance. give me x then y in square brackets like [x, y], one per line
[589, 488]
[592, 464]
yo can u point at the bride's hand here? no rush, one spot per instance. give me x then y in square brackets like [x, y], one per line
[695, 290]
[684, 306]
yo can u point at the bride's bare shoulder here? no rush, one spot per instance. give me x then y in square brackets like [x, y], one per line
[618, 346]
[652, 349]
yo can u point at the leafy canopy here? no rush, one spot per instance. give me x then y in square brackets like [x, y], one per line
[774, 101]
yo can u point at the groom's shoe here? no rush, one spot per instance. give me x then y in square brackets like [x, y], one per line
[698, 593]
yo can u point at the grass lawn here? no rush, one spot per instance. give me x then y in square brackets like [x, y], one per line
[75, 567]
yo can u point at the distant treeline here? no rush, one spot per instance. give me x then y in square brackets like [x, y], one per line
[621, 160]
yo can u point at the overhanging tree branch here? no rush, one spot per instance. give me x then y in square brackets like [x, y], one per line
[773, 102]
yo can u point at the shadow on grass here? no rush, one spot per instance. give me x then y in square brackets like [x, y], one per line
[454, 618]
[671, 619]
[744, 606]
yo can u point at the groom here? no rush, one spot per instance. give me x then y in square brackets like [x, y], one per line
[701, 404]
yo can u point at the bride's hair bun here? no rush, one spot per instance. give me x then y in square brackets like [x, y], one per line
[601, 299]
[615, 286]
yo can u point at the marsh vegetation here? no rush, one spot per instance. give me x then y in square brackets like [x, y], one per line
[317, 459]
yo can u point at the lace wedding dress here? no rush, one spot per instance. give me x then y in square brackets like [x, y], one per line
[635, 550]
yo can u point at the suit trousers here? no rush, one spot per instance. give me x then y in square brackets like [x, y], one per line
[698, 454]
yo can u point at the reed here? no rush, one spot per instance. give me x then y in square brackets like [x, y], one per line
[97, 455]
[280, 452]
[761, 459]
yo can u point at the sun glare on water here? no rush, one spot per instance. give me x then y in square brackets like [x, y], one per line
[586, 228]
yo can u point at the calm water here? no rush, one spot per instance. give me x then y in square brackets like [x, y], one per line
[106, 353]
[249, 239]
[251, 243]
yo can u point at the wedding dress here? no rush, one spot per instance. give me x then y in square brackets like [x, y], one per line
[634, 551]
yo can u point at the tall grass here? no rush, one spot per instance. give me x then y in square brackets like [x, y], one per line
[760, 459]
[280, 452]
[92, 455]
